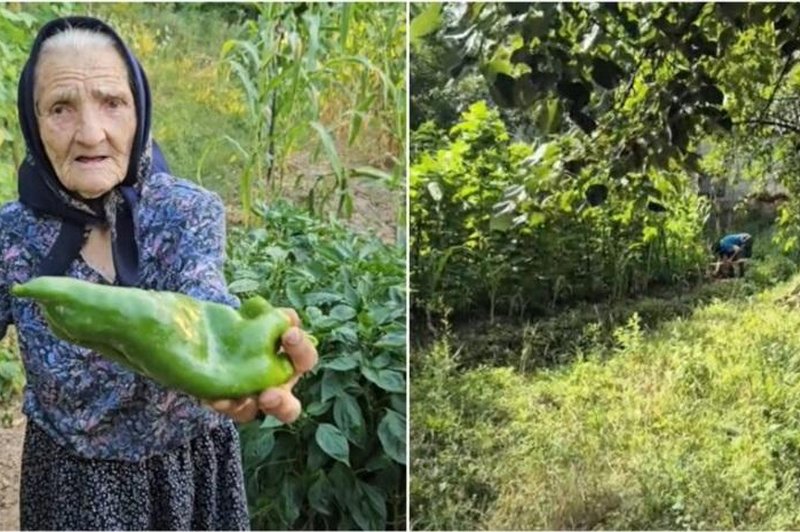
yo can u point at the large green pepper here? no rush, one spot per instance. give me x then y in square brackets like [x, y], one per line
[208, 350]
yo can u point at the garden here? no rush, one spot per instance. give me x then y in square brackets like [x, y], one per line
[295, 115]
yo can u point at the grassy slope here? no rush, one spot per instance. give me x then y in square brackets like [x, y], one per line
[696, 424]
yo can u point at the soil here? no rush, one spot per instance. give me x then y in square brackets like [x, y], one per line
[376, 207]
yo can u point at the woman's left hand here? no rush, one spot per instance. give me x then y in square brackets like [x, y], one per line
[279, 402]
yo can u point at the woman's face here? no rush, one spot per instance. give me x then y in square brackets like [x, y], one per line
[86, 116]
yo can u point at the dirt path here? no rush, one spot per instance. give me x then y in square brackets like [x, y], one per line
[10, 457]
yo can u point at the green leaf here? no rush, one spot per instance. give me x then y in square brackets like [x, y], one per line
[348, 417]
[333, 383]
[549, 114]
[427, 22]
[320, 494]
[398, 402]
[340, 363]
[392, 434]
[331, 440]
[351, 296]
[271, 422]
[345, 334]
[295, 297]
[343, 312]
[373, 173]
[227, 46]
[290, 498]
[344, 24]
[261, 446]
[344, 484]
[386, 379]
[384, 360]
[250, 89]
[368, 508]
[244, 285]
[536, 219]
[330, 149]
[355, 127]
[317, 408]
[392, 339]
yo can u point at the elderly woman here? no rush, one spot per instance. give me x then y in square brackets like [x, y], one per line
[106, 448]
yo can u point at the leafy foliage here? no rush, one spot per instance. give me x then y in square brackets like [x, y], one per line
[501, 224]
[667, 64]
[16, 28]
[636, 86]
[342, 464]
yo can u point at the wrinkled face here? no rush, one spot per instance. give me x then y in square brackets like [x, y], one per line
[86, 116]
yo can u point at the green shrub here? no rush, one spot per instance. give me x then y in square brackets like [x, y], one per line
[506, 227]
[770, 270]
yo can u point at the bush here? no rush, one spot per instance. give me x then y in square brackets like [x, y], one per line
[770, 270]
[505, 227]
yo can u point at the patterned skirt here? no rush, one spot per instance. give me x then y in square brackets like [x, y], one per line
[199, 486]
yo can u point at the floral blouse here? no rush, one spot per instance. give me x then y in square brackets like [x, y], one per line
[94, 407]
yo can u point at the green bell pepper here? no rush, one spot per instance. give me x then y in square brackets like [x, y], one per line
[208, 350]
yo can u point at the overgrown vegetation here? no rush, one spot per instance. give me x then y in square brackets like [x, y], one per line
[693, 425]
[237, 112]
[577, 366]
[601, 163]
[471, 251]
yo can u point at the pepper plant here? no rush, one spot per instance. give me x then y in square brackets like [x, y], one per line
[342, 465]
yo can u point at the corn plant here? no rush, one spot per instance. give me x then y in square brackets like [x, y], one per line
[304, 77]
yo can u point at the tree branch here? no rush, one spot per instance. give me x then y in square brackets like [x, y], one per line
[786, 67]
[775, 123]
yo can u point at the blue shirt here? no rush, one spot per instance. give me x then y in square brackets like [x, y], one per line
[728, 242]
[88, 404]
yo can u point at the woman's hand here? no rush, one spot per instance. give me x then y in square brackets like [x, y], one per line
[278, 402]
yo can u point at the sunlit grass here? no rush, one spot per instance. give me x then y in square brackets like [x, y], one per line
[694, 425]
